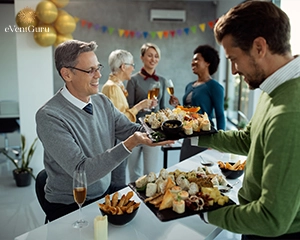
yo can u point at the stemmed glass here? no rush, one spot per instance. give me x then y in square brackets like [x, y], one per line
[153, 91]
[170, 87]
[79, 193]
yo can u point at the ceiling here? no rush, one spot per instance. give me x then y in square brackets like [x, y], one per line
[7, 1]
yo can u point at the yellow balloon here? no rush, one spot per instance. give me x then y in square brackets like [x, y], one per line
[62, 38]
[46, 11]
[60, 3]
[45, 35]
[26, 17]
[65, 24]
[61, 12]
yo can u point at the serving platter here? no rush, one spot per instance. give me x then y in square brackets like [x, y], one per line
[169, 214]
[158, 135]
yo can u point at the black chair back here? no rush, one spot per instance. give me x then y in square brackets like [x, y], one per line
[40, 189]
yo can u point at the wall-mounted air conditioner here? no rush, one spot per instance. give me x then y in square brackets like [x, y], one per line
[167, 15]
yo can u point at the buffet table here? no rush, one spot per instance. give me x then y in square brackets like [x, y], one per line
[145, 226]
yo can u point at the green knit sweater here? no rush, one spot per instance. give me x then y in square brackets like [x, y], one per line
[270, 196]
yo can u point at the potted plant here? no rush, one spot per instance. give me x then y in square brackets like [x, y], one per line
[23, 173]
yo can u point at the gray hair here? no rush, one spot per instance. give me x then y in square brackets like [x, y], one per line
[66, 53]
[117, 58]
[146, 46]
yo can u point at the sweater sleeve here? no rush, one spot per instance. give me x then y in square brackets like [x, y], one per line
[115, 94]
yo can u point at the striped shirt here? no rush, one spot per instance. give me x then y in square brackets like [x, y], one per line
[289, 71]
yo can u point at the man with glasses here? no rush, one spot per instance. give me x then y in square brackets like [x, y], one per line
[79, 126]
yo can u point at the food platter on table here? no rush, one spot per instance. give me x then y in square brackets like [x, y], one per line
[169, 183]
[193, 124]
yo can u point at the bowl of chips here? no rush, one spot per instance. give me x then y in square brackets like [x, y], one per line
[119, 211]
[232, 170]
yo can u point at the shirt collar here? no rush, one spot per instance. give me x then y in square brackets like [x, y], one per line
[75, 101]
[289, 71]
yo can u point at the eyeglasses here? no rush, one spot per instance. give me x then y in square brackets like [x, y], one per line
[131, 64]
[91, 72]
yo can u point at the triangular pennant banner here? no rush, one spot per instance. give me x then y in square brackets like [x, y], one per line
[104, 29]
[90, 25]
[121, 32]
[179, 32]
[145, 34]
[153, 34]
[193, 29]
[172, 33]
[138, 34]
[166, 34]
[187, 30]
[111, 30]
[132, 33]
[202, 27]
[96, 27]
[160, 34]
[126, 33]
[211, 24]
[83, 22]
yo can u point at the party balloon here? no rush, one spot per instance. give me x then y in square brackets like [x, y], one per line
[60, 3]
[26, 17]
[45, 35]
[61, 12]
[46, 11]
[62, 38]
[65, 24]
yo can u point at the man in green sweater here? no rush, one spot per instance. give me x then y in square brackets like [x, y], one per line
[255, 36]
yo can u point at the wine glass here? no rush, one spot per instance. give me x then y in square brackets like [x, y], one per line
[79, 193]
[153, 91]
[170, 87]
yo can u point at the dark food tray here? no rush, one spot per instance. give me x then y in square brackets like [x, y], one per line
[169, 214]
[181, 134]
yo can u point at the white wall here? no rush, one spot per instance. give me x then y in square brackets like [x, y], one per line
[35, 80]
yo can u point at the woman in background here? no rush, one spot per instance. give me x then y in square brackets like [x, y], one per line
[121, 65]
[137, 89]
[205, 92]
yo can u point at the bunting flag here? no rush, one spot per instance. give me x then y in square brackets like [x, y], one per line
[126, 33]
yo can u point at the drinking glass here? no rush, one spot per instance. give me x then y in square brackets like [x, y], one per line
[170, 87]
[153, 91]
[79, 193]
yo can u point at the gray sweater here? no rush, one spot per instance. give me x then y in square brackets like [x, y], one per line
[70, 136]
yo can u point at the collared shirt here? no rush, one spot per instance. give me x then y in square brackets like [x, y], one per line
[289, 71]
[78, 103]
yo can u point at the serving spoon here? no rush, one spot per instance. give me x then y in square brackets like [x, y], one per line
[207, 163]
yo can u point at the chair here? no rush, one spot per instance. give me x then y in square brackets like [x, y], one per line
[40, 183]
[9, 116]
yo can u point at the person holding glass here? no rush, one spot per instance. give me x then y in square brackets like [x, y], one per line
[79, 126]
[142, 82]
[121, 65]
[205, 92]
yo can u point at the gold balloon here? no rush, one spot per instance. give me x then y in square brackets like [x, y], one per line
[26, 17]
[45, 35]
[65, 24]
[46, 11]
[60, 3]
[62, 38]
[61, 12]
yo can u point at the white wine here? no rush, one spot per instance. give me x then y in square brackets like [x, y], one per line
[153, 93]
[170, 90]
[79, 194]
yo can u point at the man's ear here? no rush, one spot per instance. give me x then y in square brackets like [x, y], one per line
[66, 74]
[260, 46]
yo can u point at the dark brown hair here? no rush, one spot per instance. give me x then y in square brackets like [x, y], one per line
[253, 19]
[210, 55]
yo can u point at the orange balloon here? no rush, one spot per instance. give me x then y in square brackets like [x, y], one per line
[65, 24]
[60, 3]
[26, 17]
[46, 11]
[45, 35]
[62, 38]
